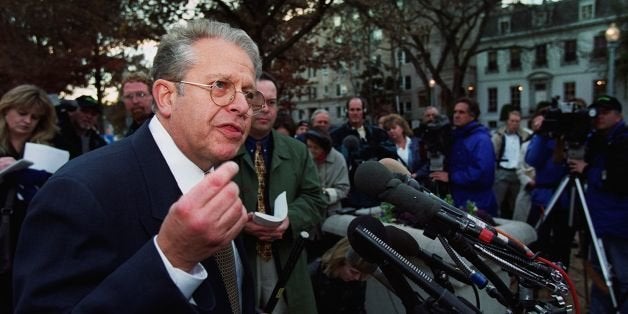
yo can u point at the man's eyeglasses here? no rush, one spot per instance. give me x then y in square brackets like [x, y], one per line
[222, 93]
[131, 96]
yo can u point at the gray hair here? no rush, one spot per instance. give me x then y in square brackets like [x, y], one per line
[317, 112]
[174, 56]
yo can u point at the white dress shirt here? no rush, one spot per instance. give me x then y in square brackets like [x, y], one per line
[187, 175]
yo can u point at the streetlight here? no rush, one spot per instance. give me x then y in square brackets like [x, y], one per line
[432, 84]
[612, 40]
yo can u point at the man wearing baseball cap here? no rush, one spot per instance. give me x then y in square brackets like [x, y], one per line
[79, 134]
[605, 169]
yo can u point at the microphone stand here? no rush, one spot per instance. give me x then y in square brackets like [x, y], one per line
[440, 294]
[285, 272]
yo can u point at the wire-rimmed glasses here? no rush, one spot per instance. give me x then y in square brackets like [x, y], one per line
[222, 93]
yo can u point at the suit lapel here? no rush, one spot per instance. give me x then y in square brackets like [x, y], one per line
[160, 187]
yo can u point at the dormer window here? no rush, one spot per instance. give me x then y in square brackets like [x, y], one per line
[539, 18]
[586, 11]
[504, 25]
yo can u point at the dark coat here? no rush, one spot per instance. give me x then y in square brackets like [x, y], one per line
[375, 146]
[87, 241]
[67, 139]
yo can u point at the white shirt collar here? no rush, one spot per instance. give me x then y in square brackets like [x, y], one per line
[185, 172]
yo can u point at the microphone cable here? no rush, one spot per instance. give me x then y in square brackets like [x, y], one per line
[470, 273]
[503, 293]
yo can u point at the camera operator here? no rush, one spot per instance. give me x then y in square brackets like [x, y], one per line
[359, 141]
[470, 162]
[547, 155]
[434, 135]
[606, 168]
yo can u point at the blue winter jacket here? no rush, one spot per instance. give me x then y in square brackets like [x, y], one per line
[607, 170]
[471, 167]
[549, 172]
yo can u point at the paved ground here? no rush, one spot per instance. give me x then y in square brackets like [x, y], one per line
[577, 275]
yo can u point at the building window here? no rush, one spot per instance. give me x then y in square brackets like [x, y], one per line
[599, 46]
[338, 90]
[378, 60]
[408, 106]
[492, 62]
[539, 18]
[569, 91]
[312, 93]
[492, 99]
[377, 35]
[540, 55]
[325, 71]
[504, 25]
[401, 57]
[515, 59]
[570, 53]
[586, 11]
[407, 82]
[515, 96]
[326, 89]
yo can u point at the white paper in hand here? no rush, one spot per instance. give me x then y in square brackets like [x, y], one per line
[45, 157]
[280, 213]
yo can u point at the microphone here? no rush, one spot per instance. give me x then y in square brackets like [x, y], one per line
[405, 244]
[400, 172]
[425, 207]
[351, 142]
[368, 238]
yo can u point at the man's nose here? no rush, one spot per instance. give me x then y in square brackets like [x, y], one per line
[239, 103]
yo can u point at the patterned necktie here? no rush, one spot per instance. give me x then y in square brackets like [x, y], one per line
[226, 267]
[263, 248]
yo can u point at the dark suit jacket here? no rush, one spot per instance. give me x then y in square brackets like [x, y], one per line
[87, 241]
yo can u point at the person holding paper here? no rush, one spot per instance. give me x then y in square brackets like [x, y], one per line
[271, 163]
[26, 115]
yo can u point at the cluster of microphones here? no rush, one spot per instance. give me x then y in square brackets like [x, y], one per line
[469, 241]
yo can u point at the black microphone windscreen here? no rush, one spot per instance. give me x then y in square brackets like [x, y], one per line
[402, 241]
[351, 142]
[372, 178]
[406, 198]
[359, 244]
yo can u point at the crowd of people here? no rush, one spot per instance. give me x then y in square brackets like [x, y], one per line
[163, 220]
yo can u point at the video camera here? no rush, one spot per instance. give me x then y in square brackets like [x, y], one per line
[570, 122]
[437, 138]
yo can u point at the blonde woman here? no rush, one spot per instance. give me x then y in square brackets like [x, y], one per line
[338, 279]
[407, 145]
[26, 115]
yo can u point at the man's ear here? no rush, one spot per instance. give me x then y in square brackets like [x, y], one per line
[164, 93]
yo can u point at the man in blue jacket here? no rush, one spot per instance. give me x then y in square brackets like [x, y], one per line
[470, 163]
[607, 198]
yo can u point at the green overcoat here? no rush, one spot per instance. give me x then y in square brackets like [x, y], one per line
[292, 170]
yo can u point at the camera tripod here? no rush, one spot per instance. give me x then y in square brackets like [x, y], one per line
[576, 186]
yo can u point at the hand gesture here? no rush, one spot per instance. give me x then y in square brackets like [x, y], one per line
[204, 220]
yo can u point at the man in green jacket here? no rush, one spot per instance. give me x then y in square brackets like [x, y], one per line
[280, 163]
